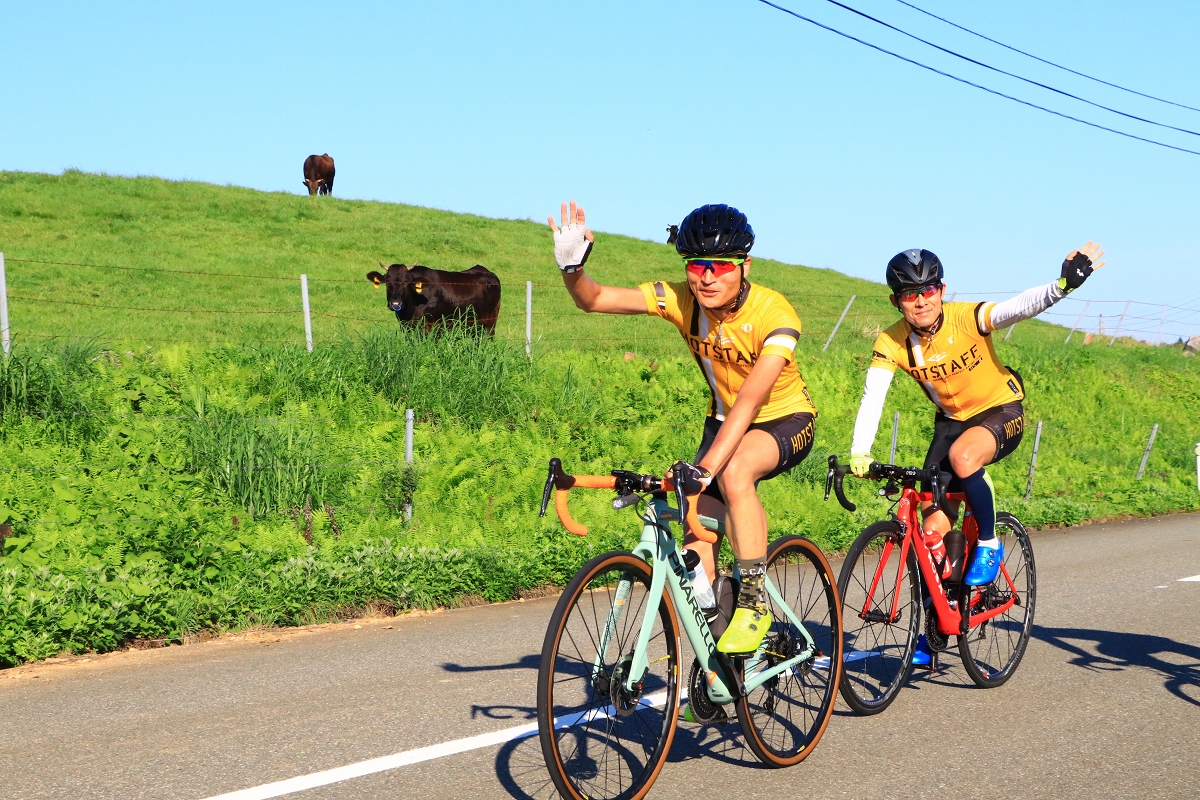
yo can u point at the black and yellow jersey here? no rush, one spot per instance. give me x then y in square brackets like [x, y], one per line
[956, 366]
[726, 350]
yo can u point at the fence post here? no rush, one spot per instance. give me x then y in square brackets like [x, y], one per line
[1161, 320]
[528, 318]
[1121, 320]
[1146, 455]
[1086, 306]
[1198, 465]
[408, 456]
[1010, 330]
[839, 323]
[895, 435]
[1037, 440]
[307, 315]
[4, 332]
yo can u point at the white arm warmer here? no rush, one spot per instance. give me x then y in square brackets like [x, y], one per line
[870, 410]
[1027, 305]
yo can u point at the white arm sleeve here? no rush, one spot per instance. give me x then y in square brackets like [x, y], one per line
[1027, 305]
[870, 410]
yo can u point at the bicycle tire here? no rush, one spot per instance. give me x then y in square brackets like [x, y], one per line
[598, 740]
[877, 653]
[992, 659]
[783, 719]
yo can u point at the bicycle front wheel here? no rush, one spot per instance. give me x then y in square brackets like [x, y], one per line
[784, 718]
[992, 650]
[599, 738]
[881, 612]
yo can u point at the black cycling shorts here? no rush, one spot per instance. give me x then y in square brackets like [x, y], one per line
[793, 434]
[1006, 423]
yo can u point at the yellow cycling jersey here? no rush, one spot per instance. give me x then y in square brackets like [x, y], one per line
[726, 350]
[957, 366]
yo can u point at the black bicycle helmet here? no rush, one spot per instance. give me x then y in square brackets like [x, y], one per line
[714, 230]
[913, 268]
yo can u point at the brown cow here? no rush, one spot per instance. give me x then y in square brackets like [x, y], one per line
[434, 295]
[318, 174]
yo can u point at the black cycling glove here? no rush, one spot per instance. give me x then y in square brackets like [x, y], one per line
[695, 479]
[1074, 272]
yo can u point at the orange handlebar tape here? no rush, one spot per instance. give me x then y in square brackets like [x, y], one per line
[693, 523]
[564, 514]
[595, 482]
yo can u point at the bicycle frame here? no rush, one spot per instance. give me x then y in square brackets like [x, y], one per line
[950, 620]
[657, 547]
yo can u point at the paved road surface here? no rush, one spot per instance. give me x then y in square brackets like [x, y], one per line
[1105, 704]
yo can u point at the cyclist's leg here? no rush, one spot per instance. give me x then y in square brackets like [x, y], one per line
[997, 433]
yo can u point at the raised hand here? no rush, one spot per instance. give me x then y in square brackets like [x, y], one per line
[572, 244]
[1078, 265]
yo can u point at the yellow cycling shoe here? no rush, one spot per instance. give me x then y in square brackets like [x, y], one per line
[746, 630]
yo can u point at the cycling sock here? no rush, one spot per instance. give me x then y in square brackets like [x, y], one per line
[981, 496]
[751, 572]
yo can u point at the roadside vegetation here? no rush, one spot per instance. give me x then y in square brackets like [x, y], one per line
[165, 473]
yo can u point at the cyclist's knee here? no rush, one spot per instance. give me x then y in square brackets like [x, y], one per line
[968, 460]
[735, 479]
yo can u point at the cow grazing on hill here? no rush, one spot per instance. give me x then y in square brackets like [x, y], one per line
[419, 293]
[672, 233]
[318, 174]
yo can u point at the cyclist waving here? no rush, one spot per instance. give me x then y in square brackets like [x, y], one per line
[947, 348]
[743, 337]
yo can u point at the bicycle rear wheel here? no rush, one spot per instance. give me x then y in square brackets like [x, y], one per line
[599, 739]
[784, 718]
[992, 651]
[878, 645]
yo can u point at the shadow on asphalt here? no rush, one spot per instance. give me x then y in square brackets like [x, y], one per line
[1108, 651]
[525, 662]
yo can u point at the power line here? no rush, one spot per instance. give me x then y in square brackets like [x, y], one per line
[996, 92]
[1046, 61]
[1030, 81]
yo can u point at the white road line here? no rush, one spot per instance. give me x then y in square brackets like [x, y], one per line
[1193, 579]
[409, 757]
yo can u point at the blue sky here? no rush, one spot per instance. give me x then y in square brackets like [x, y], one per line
[840, 155]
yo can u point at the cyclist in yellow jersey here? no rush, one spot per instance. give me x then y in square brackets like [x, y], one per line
[743, 337]
[947, 348]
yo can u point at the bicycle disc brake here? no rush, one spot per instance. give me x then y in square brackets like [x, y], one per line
[704, 710]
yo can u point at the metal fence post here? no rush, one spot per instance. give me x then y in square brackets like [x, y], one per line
[4, 332]
[528, 318]
[1121, 320]
[1198, 465]
[1146, 455]
[1086, 306]
[1037, 440]
[839, 323]
[1010, 330]
[895, 435]
[408, 456]
[307, 315]
[1161, 320]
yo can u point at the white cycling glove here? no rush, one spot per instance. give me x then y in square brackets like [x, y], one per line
[571, 249]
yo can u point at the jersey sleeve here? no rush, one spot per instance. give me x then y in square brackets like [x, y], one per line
[662, 300]
[886, 352]
[782, 331]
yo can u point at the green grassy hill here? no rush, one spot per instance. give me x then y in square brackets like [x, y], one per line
[162, 456]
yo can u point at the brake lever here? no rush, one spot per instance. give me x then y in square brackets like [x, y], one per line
[680, 495]
[833, 465]
[553, 478]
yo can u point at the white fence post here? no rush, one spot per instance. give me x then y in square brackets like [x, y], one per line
[1086, 306]
[1037, 440]
[839, 323]
[4, 332]
[895, 435]
[1010, 330]
[1161, 320]
[1119, 322]
[1146, 455]
[1198, 465]
[408, 456]
[307, 315]
[528, 318]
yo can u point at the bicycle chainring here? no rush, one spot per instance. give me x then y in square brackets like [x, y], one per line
[936, 640]
[704, 710]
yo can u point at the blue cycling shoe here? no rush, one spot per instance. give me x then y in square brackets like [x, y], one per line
[985, 565]
[921, 656]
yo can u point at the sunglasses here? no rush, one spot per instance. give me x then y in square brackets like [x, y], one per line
[927, 291]
[719, 266]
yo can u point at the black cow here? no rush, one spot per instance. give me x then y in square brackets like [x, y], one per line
[434, 295]
[318, 174]
[672, 233]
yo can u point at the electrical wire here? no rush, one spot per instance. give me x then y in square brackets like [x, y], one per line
[987, 89]
[1046, 61]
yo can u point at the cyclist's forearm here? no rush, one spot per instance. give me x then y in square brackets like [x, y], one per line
[1027, 305]
[870, 409]
[583, 289]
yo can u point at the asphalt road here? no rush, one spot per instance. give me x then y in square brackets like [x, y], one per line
[1105, 704]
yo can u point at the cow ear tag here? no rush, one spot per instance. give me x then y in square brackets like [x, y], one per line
[419, 285]
[376, 282]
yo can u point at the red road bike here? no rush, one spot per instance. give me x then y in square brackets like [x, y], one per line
[890, 575]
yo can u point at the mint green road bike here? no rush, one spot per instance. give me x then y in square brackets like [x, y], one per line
[608, 685]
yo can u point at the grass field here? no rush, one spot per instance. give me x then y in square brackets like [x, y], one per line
[185, 468]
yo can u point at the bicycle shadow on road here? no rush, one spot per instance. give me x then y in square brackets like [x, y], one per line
[1110, 651]
[525, 662]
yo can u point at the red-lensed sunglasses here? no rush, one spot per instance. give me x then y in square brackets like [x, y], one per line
[927, 291]
[719, 266]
